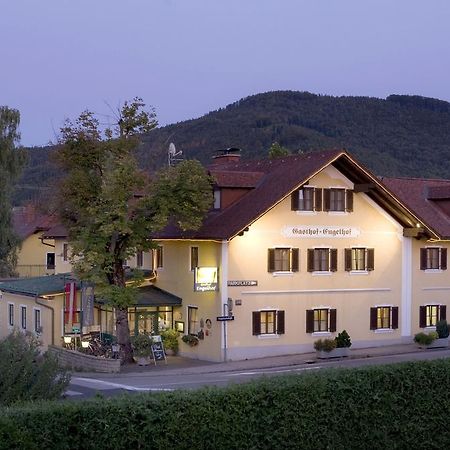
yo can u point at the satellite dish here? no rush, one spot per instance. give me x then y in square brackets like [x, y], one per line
[172, 149]
[174, 156]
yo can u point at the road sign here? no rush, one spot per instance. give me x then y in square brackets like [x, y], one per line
[225, 318]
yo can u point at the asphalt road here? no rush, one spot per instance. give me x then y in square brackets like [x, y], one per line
[108, 385]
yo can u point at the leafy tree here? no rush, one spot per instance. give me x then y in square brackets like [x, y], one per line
[112, 209]
[26, 374]
[11, 163]
[277, 151]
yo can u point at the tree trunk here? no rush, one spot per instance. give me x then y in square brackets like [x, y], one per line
[123, 335]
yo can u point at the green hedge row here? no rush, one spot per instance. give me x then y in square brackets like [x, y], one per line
[396, 406]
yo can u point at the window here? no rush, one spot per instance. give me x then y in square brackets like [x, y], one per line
[192, 320]
[322, 260]
[430, 315]
[338, 199]
[268, 322]
[433, 258]
[65, 252]
[282, 259]
[23, 317]
[359, 259]
[158, 257]
[11, 314]
[307, 199]
[320, 320]
[50, 261]
[139, 258]
[384, 317]
[216, 199]
[37, 321]
[194, 258]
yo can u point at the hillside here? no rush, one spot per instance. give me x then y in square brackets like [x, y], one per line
[397, 136]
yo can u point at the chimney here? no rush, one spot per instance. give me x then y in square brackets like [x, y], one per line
[228, 155]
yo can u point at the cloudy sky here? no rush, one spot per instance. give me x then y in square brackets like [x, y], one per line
[188, 57]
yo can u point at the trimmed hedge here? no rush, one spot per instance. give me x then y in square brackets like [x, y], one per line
[395, 406]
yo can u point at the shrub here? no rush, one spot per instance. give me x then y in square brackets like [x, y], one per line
[425, 338]
[343, 340]
[324, 345]
[442, 329]
[170, 339]
[26, 374]
[142, 345]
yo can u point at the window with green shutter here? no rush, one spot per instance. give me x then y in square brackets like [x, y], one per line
[322, 260]
[283, 259]
[338, 200]
[359, 259]
[267, 322]
[384, 318]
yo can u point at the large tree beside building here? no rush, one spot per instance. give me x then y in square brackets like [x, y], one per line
[11, 162]
[112, 209]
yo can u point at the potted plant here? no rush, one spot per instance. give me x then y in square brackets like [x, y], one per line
[190, 339]
[425, 340]
[170, 341]
[142, 346]
[343, 344]
[324, 347]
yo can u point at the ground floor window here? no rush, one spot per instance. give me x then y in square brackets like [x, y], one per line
[430, 315]
[150, 319]
[268, 322]
[320, 320]
[192, 320]
[11, 314]
[383, 317]
[23, 317]
[37, 321]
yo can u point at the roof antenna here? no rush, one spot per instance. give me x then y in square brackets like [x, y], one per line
[174, 156]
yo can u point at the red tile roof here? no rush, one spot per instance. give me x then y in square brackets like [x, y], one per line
[28, 219]
[429, 198]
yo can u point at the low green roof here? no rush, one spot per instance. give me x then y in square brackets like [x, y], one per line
[153, 296]
[38, 286]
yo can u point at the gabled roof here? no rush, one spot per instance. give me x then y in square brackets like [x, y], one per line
[280, 177]
[38, 286]
[430, 200]
[27, 220]
[55, 232]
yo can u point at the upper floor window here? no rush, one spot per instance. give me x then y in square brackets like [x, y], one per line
[384, 317]
[338, 199]
[322, 260]
[216, 199]
[268, 322]
[11, 314]
[158, 257]
[65, 252]
[359, 259]
[50, 261]
[192, 319]
[320, 320]
[307, 199]
[430, 315]
[283, 259]
[193, 258]
[23, 317]
[37, 321]
[433, 258]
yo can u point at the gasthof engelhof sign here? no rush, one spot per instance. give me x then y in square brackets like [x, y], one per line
[319, 231]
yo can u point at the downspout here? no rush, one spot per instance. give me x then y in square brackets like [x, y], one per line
[40, 302]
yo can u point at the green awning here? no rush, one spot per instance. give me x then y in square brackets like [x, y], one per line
[153, 296]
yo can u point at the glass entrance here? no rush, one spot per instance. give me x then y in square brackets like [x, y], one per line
[146, 322]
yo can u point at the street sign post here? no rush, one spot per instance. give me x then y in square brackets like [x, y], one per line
[224, 318]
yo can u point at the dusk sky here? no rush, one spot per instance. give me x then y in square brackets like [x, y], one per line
[188, 57]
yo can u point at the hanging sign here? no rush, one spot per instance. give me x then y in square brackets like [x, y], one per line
[206, 279]
[319, 231]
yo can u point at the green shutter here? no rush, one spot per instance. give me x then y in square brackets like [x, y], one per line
[443, 259]
[348, 259]
[394, 324]
[422, 316]
[332, 320]
[295, 259]
[326, 199]
[310, 262]
[294, 201]
[256, 323]
[443, 312]
[349, 200]
[373, 318]
[423, 259]
[271, 260]
[370, 259]
[310, 321]
[280, 322]
[318, 199]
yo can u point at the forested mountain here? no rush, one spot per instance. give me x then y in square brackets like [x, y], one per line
[400, 135]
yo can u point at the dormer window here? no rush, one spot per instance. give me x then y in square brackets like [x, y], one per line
[216, 198]
[307, 198]
[338, 200]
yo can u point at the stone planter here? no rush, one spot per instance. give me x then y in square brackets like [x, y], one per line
[437, 343]
[170, 352]
[335, 353]
[142, 360]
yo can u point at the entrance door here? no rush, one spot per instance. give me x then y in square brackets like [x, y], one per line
[146, 322]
